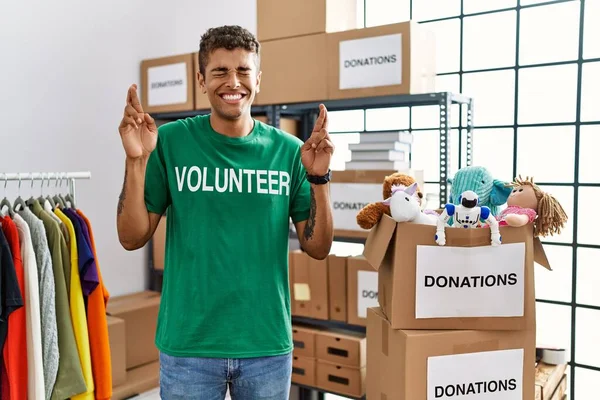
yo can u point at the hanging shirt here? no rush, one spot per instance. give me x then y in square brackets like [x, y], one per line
[65, 231]
[97, 326]
[10, 294]
[69, 379]
[65, 246]
[47, 298]
[87, 265]
[48, 209]
[35, 372]
[15, 346]
[78, 315]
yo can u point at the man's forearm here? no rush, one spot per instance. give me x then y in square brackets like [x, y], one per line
[133, 222]
[318, 231]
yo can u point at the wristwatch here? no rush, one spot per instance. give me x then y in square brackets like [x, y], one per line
[319, 180]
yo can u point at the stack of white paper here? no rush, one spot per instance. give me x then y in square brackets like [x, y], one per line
[381, 151]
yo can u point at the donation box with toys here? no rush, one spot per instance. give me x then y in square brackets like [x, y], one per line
[465, 284]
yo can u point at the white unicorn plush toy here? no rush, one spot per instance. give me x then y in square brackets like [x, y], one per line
[405, 207]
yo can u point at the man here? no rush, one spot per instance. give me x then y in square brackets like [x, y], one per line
[229, 185]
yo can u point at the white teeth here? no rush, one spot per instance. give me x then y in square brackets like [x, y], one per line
[232, 96]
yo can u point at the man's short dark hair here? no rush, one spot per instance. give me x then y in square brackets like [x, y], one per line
[228, 37]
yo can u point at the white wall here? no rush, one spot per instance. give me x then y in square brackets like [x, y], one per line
[65, 67]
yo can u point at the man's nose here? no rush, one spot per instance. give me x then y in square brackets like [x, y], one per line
[233, 81]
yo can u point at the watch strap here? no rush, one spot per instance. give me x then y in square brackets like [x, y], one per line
[319, 180]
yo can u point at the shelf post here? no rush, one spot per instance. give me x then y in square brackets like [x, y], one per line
[274, 115]
[308, 122]
[470, 126]
[445, 160]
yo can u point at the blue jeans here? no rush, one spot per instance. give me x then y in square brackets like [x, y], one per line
[208, 378]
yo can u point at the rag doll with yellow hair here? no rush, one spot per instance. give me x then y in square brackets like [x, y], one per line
[527, 203]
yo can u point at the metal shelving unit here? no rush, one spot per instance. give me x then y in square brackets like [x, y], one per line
[307, 113]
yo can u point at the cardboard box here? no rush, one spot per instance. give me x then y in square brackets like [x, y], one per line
[168, 84]
[384, 60]
[342, 348]
[304, 341]
[304, 371]
[139, 380]
[363, 289]
[288, 125]
[426, 364]
[201, 101]
[351, 190]
[341, 379]
[277, 19]
[548, 379]
[294, 70]
[158, 244]
[116, 339]
[140, 313]
[466, 284]
[561, 391]
[337, 274]
[311, 296]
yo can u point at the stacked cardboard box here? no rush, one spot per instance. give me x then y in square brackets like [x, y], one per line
[332, 360]
[168, 83]
[337, 289]
[381, 151]
[131, 328]
[351, 190]
[454, 321]
[289, 125]
[318, 50]
[293, 37]
[550, 381]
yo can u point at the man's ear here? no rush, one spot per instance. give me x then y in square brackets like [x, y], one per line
[258, 78]
[500, 193]
[201, 82]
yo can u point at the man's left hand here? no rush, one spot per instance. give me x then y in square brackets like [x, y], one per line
[318, 149]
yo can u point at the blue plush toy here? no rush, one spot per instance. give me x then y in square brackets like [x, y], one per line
[492, 192]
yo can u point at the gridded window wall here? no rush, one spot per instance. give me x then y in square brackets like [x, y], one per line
[533, 69]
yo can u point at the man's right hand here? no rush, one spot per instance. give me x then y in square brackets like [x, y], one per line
[137, 129]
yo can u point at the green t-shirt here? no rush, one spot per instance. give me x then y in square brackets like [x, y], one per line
[228, 203]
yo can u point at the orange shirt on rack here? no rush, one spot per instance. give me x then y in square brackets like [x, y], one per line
[15, 348]
[98, 329]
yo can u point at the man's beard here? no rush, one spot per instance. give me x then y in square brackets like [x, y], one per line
[230, 115]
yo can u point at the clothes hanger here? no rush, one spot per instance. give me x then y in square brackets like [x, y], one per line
[48, 198]
[70, 199]
[5, 202]
[19, 203]
[60, 201]
[41, 199]
[32, 200]
[67, 198]
[49, 204]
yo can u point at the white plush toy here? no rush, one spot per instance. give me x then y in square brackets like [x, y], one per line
[405, 207]
[467, 215]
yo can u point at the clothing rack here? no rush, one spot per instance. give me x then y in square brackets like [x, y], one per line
[70, 177]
